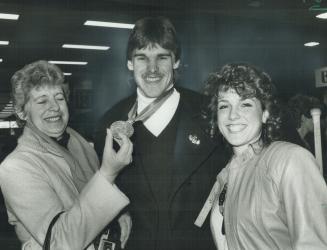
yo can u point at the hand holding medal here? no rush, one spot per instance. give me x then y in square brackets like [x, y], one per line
[114, 161]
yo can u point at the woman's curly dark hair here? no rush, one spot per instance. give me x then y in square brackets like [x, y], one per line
[248, 82]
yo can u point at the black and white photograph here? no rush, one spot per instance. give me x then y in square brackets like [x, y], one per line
[163, 125]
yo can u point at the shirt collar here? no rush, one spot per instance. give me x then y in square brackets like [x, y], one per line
[63, 141]
[161, 118]
[250, 153]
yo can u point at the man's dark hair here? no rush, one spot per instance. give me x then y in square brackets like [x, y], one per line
[154, 30]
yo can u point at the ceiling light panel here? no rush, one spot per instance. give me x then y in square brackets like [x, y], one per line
[109, 24]
[4, 42]
[79, 46]
[322, 15]
[9, 16]
[311, 44]
[68, 62]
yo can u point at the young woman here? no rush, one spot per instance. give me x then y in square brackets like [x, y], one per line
[271, 194]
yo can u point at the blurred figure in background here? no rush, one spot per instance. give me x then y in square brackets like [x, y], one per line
[300, 107]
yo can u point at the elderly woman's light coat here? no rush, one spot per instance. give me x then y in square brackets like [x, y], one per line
[39, 180]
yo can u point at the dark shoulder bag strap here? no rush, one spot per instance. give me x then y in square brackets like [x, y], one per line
[46, 244]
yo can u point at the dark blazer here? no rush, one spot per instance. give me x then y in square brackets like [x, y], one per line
[195, 167]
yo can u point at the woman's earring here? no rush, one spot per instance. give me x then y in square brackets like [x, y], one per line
[265, 116]
[21, 115]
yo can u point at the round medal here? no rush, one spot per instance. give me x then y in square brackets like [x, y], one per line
[123, 127]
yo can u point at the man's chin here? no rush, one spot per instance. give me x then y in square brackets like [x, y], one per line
[153, 93]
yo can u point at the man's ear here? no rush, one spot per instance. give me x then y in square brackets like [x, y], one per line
[176, 64]
[130, 65]
[265, 116]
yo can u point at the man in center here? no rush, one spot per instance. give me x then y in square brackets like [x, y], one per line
[175, 161]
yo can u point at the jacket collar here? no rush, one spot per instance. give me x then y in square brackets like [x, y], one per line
[30, 139]
[192, 146]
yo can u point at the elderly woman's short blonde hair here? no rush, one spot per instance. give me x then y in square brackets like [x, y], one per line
[34, 75]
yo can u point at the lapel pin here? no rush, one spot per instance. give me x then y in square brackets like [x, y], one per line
[194, 139]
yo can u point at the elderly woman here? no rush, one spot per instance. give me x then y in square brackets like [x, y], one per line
[271, 194]
[54, 170]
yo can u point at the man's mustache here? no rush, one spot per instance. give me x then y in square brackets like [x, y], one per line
[152, 74]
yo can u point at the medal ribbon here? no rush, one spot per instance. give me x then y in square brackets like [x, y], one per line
[148, 110]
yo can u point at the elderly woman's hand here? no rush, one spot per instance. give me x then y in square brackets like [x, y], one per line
[113, 162]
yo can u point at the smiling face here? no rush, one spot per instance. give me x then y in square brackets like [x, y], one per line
[240, 120]
[47, 110]
[153, 69]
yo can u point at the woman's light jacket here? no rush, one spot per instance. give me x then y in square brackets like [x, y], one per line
[276, 199]
[38, 182]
